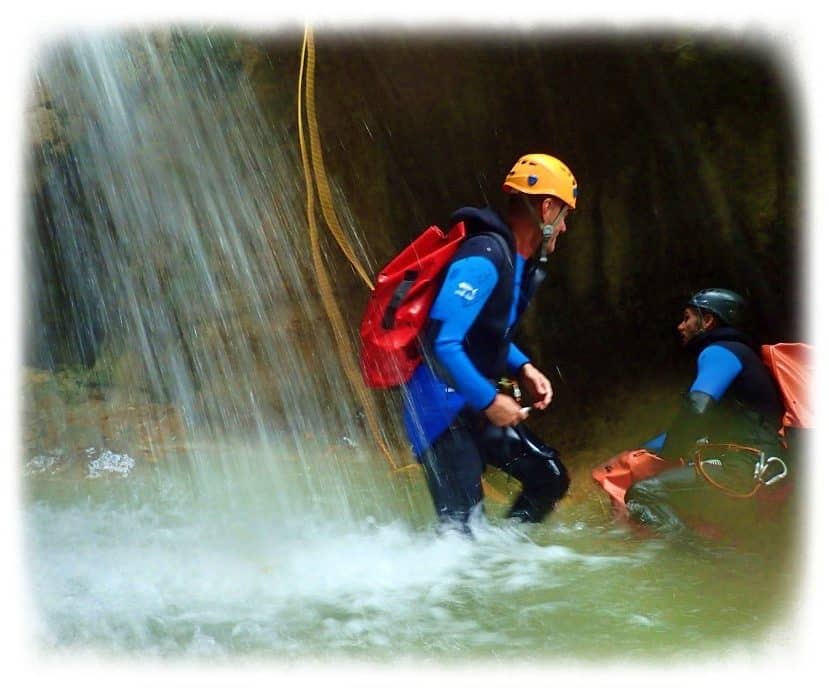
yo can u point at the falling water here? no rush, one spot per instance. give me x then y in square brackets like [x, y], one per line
[198, 480]
[177, 216]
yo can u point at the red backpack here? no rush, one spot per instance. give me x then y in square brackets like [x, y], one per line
[399, 307]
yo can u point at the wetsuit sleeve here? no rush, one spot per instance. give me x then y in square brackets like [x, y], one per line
[515, 358]
[469, 283]
[717, 368]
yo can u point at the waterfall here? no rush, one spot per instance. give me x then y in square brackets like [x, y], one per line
[167, 249]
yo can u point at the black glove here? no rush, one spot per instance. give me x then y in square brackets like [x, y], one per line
[689, 425]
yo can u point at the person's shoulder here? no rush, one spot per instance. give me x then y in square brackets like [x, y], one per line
[488, 242]
[488, 246]
[487, 234]
[718, 355]
[736, 348]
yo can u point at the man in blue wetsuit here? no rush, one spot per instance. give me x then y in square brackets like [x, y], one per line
[455, 416]
[732, 400]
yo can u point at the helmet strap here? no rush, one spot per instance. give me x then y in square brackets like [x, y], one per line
[547, 229]
[546, 234]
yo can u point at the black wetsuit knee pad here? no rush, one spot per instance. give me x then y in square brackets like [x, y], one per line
[518, 452]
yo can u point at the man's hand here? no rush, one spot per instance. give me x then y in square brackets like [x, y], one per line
[505, 411]
[536, 386]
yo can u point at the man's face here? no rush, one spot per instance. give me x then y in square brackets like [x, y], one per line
[551, 212]
[690, 325]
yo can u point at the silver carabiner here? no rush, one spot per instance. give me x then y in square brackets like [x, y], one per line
[763, 465]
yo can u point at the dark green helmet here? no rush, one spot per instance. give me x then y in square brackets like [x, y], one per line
[725, 304]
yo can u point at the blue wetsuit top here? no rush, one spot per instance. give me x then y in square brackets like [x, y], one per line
[717, 368]
[430, 404]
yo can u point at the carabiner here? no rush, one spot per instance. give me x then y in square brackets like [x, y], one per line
[763, 465]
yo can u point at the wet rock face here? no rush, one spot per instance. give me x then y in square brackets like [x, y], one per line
[74, 424]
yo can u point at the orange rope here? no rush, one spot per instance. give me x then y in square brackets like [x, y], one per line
[698, 465]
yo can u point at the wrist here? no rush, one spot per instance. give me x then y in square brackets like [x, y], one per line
[490, 404]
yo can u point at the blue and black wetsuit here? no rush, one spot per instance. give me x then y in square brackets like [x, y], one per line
[746, 406]
[732, 400]
[467, 347]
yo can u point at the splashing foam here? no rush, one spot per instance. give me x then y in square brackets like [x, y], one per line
[108, 463]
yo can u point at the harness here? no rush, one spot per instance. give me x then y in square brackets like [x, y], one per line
[762, 475]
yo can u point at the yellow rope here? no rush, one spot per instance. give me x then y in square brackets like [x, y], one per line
[341, 337]
[320, 176]
[343, 342]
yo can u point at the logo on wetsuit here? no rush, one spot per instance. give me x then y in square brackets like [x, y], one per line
[466, 291]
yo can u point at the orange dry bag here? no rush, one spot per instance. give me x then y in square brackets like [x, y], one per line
[399, 307]
[791, 367]
[620, 472]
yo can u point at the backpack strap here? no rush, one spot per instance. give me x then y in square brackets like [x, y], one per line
[501, 242]
[409, 277]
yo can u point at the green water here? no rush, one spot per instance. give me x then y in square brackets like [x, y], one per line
[139, 566]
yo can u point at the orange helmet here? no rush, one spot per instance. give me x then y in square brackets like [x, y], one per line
[542, 174]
